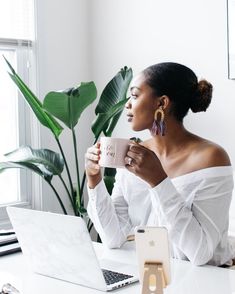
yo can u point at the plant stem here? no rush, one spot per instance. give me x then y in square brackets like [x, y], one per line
[70, 197]
[58, 198]
[78, 196]
[82, 187]
[66, 166]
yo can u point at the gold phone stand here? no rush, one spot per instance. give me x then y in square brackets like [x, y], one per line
[154, 279]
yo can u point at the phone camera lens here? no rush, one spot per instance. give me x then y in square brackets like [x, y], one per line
[140, 231]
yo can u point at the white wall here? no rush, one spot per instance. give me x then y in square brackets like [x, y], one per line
[63, 58]
[139, 33]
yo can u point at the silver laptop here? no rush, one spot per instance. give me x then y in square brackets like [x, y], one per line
[60, 246]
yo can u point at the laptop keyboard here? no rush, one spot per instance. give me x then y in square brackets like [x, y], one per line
[114, 277]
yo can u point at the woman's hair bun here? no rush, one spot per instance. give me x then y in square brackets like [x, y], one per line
[202, 97]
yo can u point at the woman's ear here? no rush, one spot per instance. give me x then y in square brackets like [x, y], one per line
[164, 102]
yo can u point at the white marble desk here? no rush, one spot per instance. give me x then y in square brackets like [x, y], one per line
[186, 278]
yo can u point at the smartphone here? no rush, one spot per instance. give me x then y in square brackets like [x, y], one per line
[152, 246]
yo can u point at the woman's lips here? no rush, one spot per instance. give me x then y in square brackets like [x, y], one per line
[129, 118]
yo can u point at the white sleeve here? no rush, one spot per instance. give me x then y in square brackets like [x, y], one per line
[109, 213]
[196, 230]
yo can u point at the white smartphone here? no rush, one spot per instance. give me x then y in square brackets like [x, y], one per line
[152, 246]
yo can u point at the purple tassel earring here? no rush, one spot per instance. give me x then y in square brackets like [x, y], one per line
[159, 126]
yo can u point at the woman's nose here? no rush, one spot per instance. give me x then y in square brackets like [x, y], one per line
[128, 104]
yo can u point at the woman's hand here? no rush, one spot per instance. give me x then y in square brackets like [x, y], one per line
[145, 164]
[93, 170]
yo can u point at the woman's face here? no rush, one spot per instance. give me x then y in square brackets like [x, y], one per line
[141, 105]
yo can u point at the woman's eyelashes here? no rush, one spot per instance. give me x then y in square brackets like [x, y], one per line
[133, 96]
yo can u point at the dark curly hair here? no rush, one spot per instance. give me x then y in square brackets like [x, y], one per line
[181, 85]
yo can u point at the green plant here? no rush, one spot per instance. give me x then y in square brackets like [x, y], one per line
[67, 107]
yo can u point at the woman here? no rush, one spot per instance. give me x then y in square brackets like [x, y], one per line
[175, 179]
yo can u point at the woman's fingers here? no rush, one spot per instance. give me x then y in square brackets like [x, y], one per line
[92, 157]
[137, 157]
[134, 155]
[95, 149]
[92, 165]
[128, 160]
[93, 152]
[137, 148]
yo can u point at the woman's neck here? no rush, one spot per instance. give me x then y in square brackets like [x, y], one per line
[174, 140]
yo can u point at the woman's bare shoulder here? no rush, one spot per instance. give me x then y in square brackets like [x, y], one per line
[209, 154]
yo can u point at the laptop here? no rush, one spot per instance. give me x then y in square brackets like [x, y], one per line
[60, 246]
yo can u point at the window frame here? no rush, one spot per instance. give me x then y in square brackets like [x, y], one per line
[25, 63]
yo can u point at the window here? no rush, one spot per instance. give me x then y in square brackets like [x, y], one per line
[16, 39]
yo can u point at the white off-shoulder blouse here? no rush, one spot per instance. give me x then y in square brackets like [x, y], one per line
[193, 207]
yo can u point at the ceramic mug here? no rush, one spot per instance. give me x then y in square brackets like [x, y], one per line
[113, 151]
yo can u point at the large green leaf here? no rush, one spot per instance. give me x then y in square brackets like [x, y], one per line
[43, 161]
[115, 90]
[68, 105]
[45, 119]
[112, 123]
[102, 119]
[113, 93]
[40, 170]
